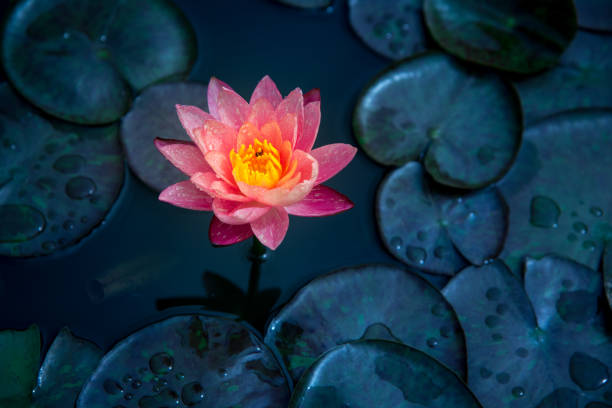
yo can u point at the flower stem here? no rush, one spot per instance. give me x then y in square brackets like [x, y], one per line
[257, 255]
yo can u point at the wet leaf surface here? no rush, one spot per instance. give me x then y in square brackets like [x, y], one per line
[378, 373]
[526, 345]
[369, 302]
[57, 181]
[465, 124]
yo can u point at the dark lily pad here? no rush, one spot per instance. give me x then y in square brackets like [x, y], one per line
[395, 29]
[370, 302]
[307, 4]
[433, 231]
[513, 35]
[524, 344]
[188, 360]
[19, 360]
[594, 14]
[80, 60]
[607, 271]
[378, 373]
[583, 79]
[153, 114]
[468, 140]
[555, 191]
[57, 181]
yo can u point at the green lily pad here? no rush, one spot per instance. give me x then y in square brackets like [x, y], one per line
[395, 29]
[594, 14]
[466, 125]
[607, 271]
[307, 4]
[153, 114]
[379, 373]
[583, 79]
[57, 181]
[555, 190]
[80, 60]
[190, 360]
[523, 36]
[524, 344]
[369, 302]
[19, 360]
[434, 231]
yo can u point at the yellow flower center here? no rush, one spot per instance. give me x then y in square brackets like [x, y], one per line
[258, 164]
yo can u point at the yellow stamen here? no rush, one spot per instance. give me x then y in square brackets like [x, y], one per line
[258, 164]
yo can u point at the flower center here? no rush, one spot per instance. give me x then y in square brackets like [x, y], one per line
[258, 164]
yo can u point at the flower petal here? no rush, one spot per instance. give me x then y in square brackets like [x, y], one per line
[191, 118]
[314, 95]
[214, 87]
[221, 165]
[271, 228]
[225, 234]
[247, 135]
[215, 136]
[292, 104]
[183, 155]
[186, 195]
[262, 112]
[266, 88]
[235, 213]
[321, 201]
[289, 128]
[332, 158]
[312, 119]
[232, 109]
[272, 133]
[216, 187]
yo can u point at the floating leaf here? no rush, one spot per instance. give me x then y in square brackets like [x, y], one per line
[513, 35]
[153, 114]
[370, 302]
[467, 125]
[395, 29]
[378, 373]
[80, 60]
[57, 181]
[307, 4]
[19, 359]
[594, 14]
[431, 230]
[555, 190]
[189, 360]
[524, 344]
[583, 79]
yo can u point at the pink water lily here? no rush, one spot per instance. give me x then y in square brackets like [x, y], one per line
[252, 163]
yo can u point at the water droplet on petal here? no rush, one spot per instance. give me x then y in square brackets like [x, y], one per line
[80, 187]
[192, 393]
[416, 254]
[544, 212]
[112, 387]
[518, 392]
[161, 363]
[589, 245]
[396, 243]
[20, 222]
[432, 342]
[588, 372]
[596, 211]
[580, 227]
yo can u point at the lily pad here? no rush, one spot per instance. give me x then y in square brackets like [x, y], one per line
[523, 36]
[555, 191]
[525, 344]
[153, 114]
[369, 302]
[57, 181]
[435, 231]
[80, 60]
[468, 139]
[607, 271]
[378, 373]
[395, 29]
[188, 360]
[594, 14]
[583, 79]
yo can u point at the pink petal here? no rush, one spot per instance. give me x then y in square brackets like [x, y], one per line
[266, 88]
[231, 108]
[289, 128]
[312, 119]
[191, 118]
[247, 135]
[183, 155]
[262, 112]
[186, 195]
[215, 136]
[271, 228]
[321, 201]
[293, 104]
[216, 187]
[234, 213]
[225, 234]
[221, 165]
[214, 87]
[332, 158]
[314, 95]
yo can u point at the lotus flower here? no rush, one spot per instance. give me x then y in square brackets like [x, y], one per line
[252, 164]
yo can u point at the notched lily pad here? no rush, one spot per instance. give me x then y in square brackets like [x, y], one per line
[378, 373]
[582, 79]
[188, 360]
[555, 189]
[523, 36]
[370, 302]
[395, 29]
[153, 114]
[594, 14]
[80, 60]
[57, 181]
[526, 345]
[434, 231]
[465, 125]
